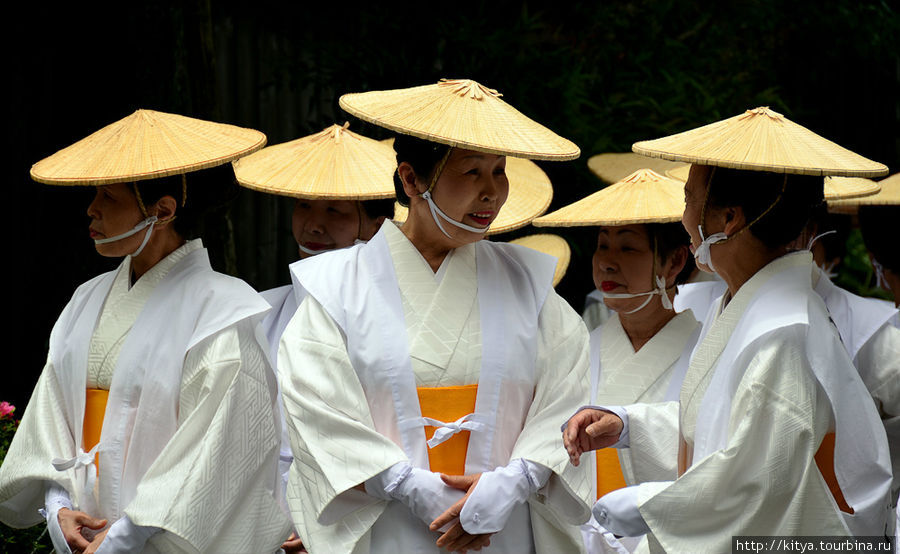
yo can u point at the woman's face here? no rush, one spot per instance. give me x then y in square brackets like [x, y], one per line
[114, 211]
[623, 263]
[471, 189]
[694, 197]
[320, 225]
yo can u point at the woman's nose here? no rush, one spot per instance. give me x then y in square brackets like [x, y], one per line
[92, 211]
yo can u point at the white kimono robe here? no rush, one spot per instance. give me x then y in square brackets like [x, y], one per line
[357, 348]
[767, 381]
[620, 376]
[190, 434]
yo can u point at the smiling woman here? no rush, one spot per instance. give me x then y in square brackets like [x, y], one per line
[435, 367]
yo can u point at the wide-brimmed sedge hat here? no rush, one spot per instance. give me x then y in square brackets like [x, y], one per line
[460, 113]
[333, 164]
[835, 188]
[888, 196]
[147, 145]
[761, 140]
[530, 193]
[553, 245]
[612, 167]
[643, 197]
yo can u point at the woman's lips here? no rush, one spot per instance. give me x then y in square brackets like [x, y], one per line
[607, 286]
[315, 245]
[482, 218]
[94, 234]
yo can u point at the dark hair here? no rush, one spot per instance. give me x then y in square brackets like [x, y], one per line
[209, 194]
[756, 191]
[422, 155]
[835, 244]
[669, 238]
[879, 230]
[377, 208]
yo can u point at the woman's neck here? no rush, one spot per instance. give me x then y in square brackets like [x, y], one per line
[642, 325]
[739, 260]
[161, 244]
[433, 249]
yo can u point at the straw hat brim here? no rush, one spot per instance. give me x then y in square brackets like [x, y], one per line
[553, 245]
[888, 196]
[835, 188]
[147, 145]
[612, 167]
[643, 197]
[530, 194]
[462, 114]
[761, 140]
[333, 164]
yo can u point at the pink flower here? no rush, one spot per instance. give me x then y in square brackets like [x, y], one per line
[6, 409]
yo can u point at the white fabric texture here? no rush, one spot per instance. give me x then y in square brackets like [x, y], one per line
[618, 512]
[344, 429]
[760, 478]
[190, 370]
[498, 493]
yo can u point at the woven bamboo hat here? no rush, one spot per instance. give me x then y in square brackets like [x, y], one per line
[643, 197]
[553, 245]
[460, 113]
[612, 167]
[333, 164]
[761, 140]
[147, 145]
[889, 195]
[530, 193]
[835, 188]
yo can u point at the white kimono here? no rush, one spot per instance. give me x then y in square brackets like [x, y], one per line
[620, 376]
[356, 350]
[190, 435]
[767, 381]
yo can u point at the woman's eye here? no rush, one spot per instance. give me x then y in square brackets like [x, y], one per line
[473, 171]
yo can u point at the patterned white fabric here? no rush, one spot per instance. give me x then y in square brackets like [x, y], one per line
[764, 480]
[334, 437]
[210, 483]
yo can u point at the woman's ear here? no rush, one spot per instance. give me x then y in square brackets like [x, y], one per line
[734, 220]
[408, 179]
[164, 209]
[675, 264]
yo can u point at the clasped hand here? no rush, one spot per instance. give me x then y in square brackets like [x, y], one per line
[590, 429]
[75, 525]
[456, 539]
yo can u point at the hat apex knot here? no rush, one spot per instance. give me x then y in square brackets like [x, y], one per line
[470, 88]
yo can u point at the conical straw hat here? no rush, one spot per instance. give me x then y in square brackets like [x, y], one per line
[147, 145]
[333, 164]
[460, 113]
[612, 167]
[835, 188]
[889, 195]
[643, 197]
[553, 245]
[761, 140]
[530, 193]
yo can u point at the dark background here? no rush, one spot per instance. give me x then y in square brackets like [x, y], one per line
[603, 74]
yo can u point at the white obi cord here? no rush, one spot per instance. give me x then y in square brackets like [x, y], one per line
[81, 460]
[149, 222]
[660, 290]
[443, 430]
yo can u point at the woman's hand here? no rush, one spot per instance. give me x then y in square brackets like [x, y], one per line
[590, 429]
[72, 522]
[293, 544]
[95, 544]
[456, 539]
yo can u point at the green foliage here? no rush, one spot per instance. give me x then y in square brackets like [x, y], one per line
[34, 539]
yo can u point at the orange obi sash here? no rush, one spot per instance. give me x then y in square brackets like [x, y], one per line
[609, 472]
[447, 404]
[94, 410]
[825, 462]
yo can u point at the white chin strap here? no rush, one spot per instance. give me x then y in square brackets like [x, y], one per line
[149, 222]
[813, 240]
[701, 253]
[660, 290]
[435, 212]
